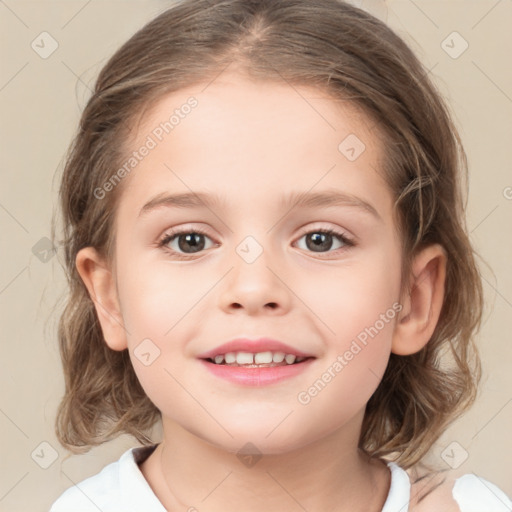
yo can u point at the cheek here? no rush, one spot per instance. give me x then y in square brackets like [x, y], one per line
[160, 310]
[352, 368]
[157, 298]
[354, 296]
[357, 311]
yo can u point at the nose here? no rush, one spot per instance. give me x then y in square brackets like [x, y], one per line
[256, 288]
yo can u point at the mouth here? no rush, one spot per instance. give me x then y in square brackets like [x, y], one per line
[255, 362]
[258, 369]
[267, 359]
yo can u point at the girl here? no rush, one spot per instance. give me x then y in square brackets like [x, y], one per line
[266, 247]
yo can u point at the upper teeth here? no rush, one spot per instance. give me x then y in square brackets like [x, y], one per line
[258, 358]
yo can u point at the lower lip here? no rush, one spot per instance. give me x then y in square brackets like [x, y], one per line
[256, 376]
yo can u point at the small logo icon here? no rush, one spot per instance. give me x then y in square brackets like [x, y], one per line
[249, 455]
[44, 45]
[454, 45]
[351, 147]
[454, 455]
[146, 352]
[249, 249]
[44, 249]
[44, 455]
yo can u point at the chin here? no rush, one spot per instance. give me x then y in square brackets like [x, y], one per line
[256, 441]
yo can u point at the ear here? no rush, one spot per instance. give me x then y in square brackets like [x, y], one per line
[101, 286]
[422, 302]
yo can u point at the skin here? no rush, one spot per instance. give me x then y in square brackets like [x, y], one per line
[251, 143]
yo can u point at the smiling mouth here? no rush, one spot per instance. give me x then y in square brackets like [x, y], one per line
[259, 360]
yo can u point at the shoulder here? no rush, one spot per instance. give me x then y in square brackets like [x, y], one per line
[96, 492]
[119, 486]
[449, 492]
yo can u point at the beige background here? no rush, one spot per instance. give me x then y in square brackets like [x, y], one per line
[40, 101]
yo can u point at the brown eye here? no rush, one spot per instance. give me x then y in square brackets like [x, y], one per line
[322, 240]
[185, 242]
[190, 242]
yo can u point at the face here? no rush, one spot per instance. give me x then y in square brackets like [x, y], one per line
[252, 262]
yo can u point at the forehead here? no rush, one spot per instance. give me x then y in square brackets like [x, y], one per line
[238, 103]
[248, 138]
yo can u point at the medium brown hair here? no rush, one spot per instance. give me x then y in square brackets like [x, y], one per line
[352, 56]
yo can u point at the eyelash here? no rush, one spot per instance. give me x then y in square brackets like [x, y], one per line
[168, 237]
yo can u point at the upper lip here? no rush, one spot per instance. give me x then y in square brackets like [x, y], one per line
[254, 346]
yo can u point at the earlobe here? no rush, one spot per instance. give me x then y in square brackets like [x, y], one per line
[422, 303]
[100, 284]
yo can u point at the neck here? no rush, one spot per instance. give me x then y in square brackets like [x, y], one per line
[330, 474]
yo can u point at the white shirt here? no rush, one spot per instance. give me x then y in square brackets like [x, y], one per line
[121, 487]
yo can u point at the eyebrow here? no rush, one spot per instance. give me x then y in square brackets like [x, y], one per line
[290, 200]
